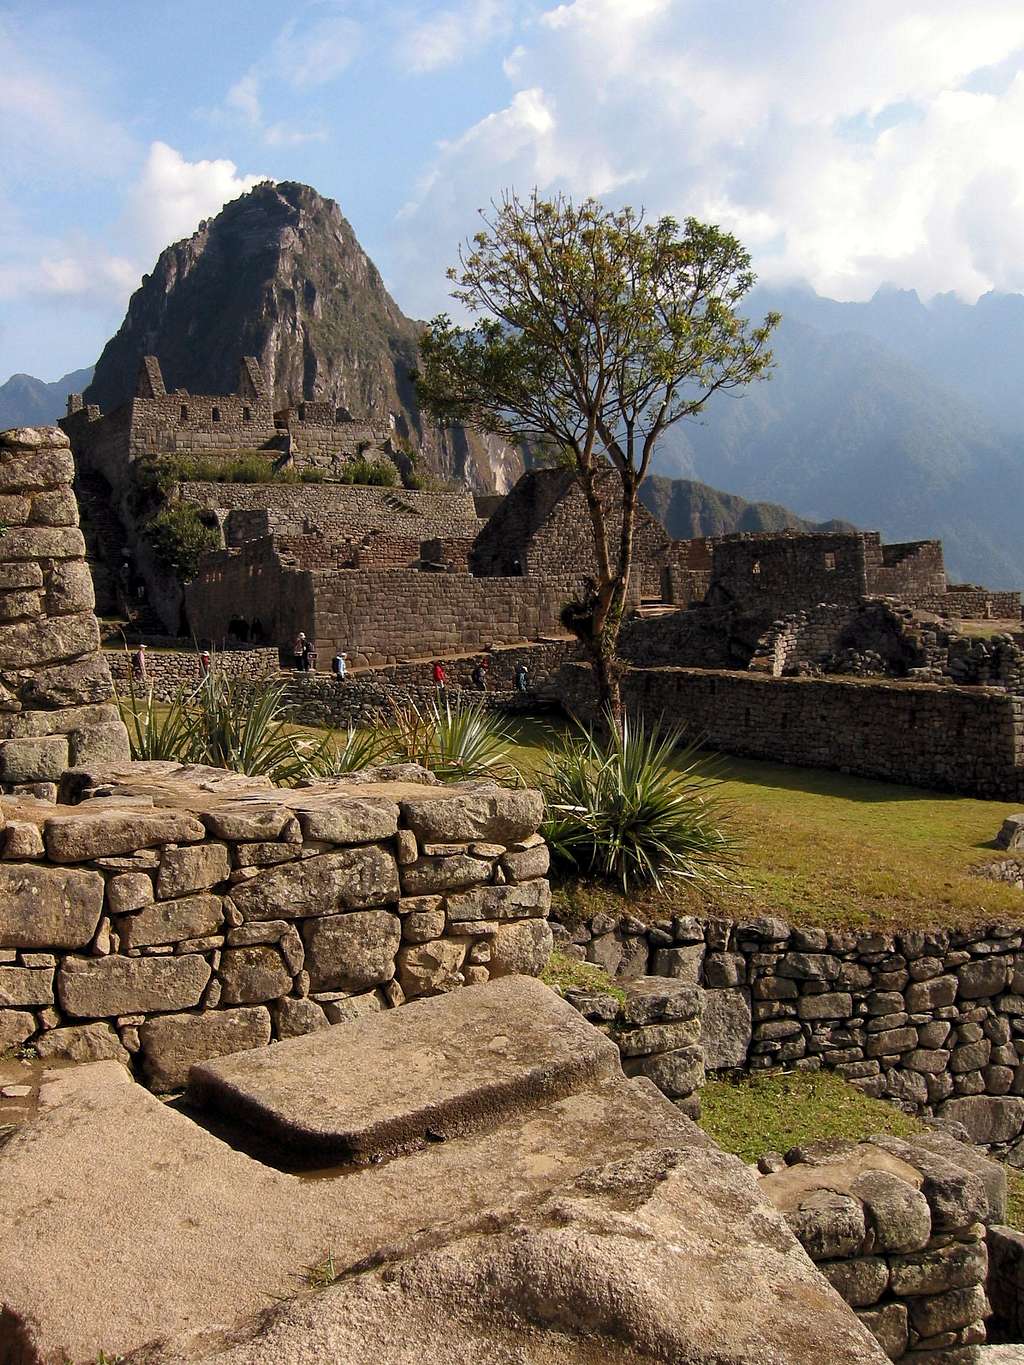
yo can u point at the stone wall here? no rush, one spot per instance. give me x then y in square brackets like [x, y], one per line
[56, 703]
[898, 1230]
[973, 604]
[950, 738]
[174, 915]
[168, 671]
[383, 615]
[931, 1019]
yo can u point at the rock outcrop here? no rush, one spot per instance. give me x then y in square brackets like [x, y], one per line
[278, 274]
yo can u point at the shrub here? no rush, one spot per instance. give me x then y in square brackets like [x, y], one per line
[179, 538]
[357, 749]
[377, 473]
[454, 741]
[635, 807]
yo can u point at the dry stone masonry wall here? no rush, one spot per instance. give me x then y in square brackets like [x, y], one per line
[173, 916]
[56, 703]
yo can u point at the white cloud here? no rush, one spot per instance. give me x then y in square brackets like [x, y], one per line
[848, 144]
[173, 195]
[316, 46]
[450, 35]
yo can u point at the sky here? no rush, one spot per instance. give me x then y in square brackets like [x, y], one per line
[848, 143]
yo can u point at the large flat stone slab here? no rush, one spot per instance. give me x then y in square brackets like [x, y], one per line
[473, 1059]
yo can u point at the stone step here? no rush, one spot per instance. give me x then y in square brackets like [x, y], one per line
[469, 1061]
[1000, 1355]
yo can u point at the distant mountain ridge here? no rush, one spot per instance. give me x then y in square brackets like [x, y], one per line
[688, 509]
[28, 402]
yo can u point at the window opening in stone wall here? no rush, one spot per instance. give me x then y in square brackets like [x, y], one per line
[247, 414]
[215, 414]
[830, 559]
[183, 413]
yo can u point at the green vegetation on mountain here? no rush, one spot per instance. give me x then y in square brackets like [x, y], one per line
[686, 509]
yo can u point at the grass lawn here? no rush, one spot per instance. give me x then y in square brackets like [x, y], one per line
[829, 849]
[774, 1111]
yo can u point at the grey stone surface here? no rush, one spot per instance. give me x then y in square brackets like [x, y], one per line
[521, 948]
[48, 907]
[251, 975]
[172, 921]
[191, 869]
[102, 987]
[726, 1028]
[351, 951]
[82, 1043]
[348, 879]
[173, 1042]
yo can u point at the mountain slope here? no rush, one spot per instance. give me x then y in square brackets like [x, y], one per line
[279, 274]
[845, 425]
[26, 401]
[686, 509]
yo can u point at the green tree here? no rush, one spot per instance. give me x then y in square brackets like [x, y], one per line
[595, 331]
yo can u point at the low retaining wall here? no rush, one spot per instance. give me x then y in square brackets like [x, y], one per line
[184, 921]
[933, 1020]
[168, 671]
[951, 738]
[898, 1230]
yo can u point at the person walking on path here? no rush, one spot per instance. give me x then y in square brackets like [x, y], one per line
[204, 665]
[338, 665]
[439, 675]
[479, 675]
[299, 652]
[139, 665]
[522, 678]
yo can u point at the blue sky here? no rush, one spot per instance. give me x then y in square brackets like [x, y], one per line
[848, 142]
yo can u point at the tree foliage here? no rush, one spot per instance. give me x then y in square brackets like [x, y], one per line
[594, 331]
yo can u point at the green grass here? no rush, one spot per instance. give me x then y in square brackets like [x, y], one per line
[824, 848]
[565, 973]
[771, 1112]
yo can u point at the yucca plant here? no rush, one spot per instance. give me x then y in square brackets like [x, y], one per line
[350, 752]
[242, 727]
[455, 741]
[635, 805]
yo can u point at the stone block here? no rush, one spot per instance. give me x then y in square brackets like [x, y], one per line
[654, 999]
[191, 869]
[932, 1315]
[348, 820]
[983, 976]
[724, 969]
[70, 588]
[254, 974]
[99, 744]
[172, 1043]
[33, 760]
[293, 1018]
[115, 829]
[888, 1325]
[891, 1041]
[47, 640]
[351, 951]
[258, 821]
[102, 987]
[828, 1224]
[82, 682]
[431, 968]
[499, 816]
[987, 1118]
[82, 1043]
[16, 1026]
[897, 1213]
[129, 891]
[350, 1007]
[348, 879]
[24, 987]
[422, 926]
[861, 1281]
[640, 1042]
[500, 902]
[726, 1028]
[48, 907]
[521, 948]
[527, 863]
[830, 1005]
[432, 874]
[956, 1266]
[681, 964]
[676, 1074]
[172, 921]
[22, 840]
[924, 996]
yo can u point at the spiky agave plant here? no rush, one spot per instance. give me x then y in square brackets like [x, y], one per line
[454, 740]
[350, 751]
[635, 805]
[244, 728]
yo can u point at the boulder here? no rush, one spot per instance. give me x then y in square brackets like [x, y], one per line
[987, 1118]
[106, 986]
[348, 879]
[48, 907]
[1011, 835]
[352, 951]
[898, 1216]
[726, 1028]
[173, 1042]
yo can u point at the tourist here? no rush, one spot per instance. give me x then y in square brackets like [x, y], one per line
[338, 665]
[204, 665]
[439, 675]
[139, 665]
[522, 677]
[310, 656]
[299, 652]
[479, 675]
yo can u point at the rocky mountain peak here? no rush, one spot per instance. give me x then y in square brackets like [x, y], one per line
[280, 274]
